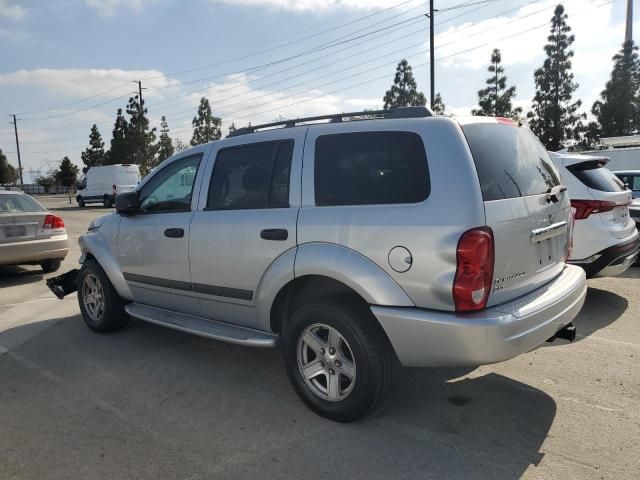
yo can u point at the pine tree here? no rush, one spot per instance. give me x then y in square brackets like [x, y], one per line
[496, 99]
[439, 108]
[404, 91]
[67, 174]
[618, 111]
[206, 127]
[165, 144]
[94, 155]
[232, 128]
[8, 174]
[140, 139]
[119, 151]
[554, 117]
[180, 146]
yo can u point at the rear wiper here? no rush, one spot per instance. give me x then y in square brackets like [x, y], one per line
[554, 192]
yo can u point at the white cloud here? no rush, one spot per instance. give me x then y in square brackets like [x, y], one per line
[313, 5]
[108, 8]
[82, 82]
[14, 12]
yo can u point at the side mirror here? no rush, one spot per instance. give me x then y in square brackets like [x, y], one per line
[128, 203]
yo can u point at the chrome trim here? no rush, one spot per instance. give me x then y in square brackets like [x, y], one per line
[545, 233]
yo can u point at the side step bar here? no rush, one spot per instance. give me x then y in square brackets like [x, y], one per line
[202, 326]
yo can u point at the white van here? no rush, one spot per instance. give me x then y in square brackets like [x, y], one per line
[103, 184]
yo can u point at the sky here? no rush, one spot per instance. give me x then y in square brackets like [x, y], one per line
[67, 64]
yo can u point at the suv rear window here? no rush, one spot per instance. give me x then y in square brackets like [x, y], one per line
[510, 161]
[595, 176]
[370, 168]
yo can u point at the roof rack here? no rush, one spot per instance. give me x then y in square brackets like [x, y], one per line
[400, 112]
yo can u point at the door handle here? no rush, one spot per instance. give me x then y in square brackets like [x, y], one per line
[174, 233]
[278, 234]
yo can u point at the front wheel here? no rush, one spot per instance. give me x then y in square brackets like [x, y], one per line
[101, 307]
[338, 358]
[80, 201]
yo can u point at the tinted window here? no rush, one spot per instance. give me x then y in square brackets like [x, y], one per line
[594, 175]
[170, 189]
[370, 168]
[252, 176]
[510, 161]
[633, 181]
[15, 203]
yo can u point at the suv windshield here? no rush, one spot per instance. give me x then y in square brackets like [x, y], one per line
[510, 161]
[595, 176]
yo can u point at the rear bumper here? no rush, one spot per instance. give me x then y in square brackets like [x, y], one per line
[611, 261]
[424, 338]
[33, 251]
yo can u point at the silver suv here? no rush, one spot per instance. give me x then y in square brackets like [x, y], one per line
[353, 243]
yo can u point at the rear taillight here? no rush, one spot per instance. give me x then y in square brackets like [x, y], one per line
[114, 189]
[474, 271]
[585, 208]
[52, 222]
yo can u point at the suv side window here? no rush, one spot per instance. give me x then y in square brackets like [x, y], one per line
[170, 189]
[252, 176]
[370, 168]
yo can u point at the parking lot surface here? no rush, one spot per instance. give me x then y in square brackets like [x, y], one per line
[148, 402]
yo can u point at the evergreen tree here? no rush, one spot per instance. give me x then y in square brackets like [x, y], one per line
[618, 111]
[67, 174]
[496, 99]
[404, 91]
[94, 155]
[8, 174]
[232, 128]
[439, 108]
[180, 146]
[119, 151]
[140, 139]
[554, 117]
[206, 127]
[165, 144]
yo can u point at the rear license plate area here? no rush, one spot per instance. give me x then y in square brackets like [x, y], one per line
[15, 231]
[546, 252]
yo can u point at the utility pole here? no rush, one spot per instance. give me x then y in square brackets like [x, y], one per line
[140, 93]
[628, 35]
[431, 55]
[15, 129]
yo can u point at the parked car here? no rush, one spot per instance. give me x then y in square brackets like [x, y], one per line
[103, 184]
[429, 240]
[606, 240]
[29, 234]
[634, 211]
[631, 178]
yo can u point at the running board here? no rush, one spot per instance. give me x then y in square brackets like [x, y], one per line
[202, 326]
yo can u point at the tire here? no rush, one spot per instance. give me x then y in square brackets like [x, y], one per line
[360, 337]
[80, 201]
[107, 202]
[107, 313]
[50, 265]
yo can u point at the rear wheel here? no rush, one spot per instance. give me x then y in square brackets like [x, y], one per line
[338, 359]
[107, 201]
[101, 307]
[50, 265]
[80, 201]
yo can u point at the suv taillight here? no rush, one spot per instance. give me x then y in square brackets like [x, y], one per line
[585, 208]
[114, 190]
[52, 222]
[474, 272]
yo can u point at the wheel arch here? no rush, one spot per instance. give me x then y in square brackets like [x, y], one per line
[95, 247]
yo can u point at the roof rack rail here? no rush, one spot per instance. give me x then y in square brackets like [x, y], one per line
[400, 112]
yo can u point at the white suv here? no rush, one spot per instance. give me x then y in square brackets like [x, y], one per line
[605, 237]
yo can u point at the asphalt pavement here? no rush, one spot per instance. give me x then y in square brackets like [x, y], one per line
[153, 403]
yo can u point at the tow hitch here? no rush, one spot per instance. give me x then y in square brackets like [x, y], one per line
[64, 284]
[568, 332]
